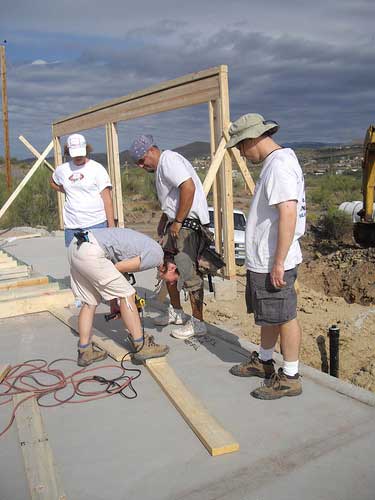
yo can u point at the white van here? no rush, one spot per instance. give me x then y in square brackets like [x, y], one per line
[239, 220]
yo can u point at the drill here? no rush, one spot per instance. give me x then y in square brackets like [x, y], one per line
[139, 302]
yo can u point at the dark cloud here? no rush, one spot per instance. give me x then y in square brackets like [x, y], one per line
[309, 66]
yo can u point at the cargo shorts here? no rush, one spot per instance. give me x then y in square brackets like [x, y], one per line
[186, 248]
[271, 306]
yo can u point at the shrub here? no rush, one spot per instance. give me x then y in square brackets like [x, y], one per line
[336, 225]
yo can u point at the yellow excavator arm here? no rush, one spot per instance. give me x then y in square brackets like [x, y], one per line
[368, 175]
[364, 231]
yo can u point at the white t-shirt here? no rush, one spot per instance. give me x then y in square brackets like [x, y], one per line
[172, 170]
[84, 206]
[281, 179]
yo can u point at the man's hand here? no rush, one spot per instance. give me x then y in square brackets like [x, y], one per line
[277, 276]
[175, 229]
[115, 308]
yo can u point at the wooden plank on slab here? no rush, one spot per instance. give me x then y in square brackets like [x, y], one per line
[15, 272]
[16, 293]
[213, 436]
[10, 263]
[4, 370]
[114, 350]
[21, 283]
[42, 475]
[39, 303]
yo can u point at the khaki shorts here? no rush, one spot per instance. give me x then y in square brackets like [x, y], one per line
[187, 246]
[93, 276]
[271, 306]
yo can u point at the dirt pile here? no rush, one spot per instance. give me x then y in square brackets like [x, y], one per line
[347, 273]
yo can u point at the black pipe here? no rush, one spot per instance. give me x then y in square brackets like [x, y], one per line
[334, 337]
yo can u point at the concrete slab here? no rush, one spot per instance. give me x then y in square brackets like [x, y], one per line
[318, 445]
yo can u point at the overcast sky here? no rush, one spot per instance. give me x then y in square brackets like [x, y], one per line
[308, 65]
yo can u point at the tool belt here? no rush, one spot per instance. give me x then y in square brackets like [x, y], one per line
[194, 224]
[82, 237]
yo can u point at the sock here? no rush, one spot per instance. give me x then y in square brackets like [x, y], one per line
[83, 346]
[290, 368]
[138, 341]
[266, 354]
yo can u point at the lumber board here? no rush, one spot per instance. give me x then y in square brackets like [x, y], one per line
[4, 370]
[41, 471]
[39, 303]
[16, 293]
[25, 180]
[15, 272]
[213, 111]
[21, 283]
[34, 151]
[226, 182]
[235, 154]
[176, 97]
[114, 350]
[213, 436]
[214, 167]
[10, 263]
[182, 80]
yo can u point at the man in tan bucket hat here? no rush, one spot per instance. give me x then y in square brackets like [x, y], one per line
[275, 222]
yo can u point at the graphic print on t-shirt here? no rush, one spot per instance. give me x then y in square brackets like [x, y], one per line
[76, 176]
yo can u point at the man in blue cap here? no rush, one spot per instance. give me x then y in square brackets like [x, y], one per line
[185, 210]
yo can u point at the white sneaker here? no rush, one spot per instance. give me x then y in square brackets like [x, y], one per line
[172, 316]
[193, 328]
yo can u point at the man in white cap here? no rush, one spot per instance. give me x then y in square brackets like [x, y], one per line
[87, 187]
[275, 222]
[185, 210]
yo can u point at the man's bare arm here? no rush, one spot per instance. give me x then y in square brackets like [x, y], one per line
[286, 228]
[187, 191]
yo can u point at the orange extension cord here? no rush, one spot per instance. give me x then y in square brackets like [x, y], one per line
[23, 379]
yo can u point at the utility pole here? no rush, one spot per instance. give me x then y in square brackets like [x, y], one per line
[8, 174]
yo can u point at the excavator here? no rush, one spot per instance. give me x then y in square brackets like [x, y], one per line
[364, 230]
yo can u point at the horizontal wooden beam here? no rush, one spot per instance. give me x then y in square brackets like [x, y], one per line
[213, 436]
[156, 102]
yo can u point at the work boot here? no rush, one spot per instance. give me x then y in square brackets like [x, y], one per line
[254, 367]
[278, 386]
[149, 350]
[88, 355]
[171, 316]
[193, 328]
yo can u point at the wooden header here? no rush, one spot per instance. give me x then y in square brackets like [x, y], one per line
[188, 90]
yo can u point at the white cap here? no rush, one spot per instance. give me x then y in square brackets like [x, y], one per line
[77, 145]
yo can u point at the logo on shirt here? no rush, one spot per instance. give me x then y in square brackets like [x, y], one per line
[76, 176]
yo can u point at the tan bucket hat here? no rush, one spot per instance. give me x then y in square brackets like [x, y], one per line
[249, 126]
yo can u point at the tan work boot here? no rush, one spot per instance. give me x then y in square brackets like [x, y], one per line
[279, 385]
[254, 367]
[88, 355]
[149, 350]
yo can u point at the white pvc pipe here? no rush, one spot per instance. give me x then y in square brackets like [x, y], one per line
[352, 208]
